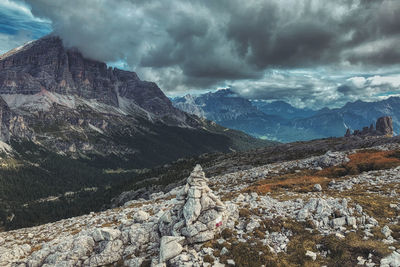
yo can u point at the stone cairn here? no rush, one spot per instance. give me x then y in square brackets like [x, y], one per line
[196, 217]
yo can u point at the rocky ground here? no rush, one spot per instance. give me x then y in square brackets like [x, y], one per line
[338, 209]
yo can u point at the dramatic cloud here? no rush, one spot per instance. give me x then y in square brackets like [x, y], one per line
[18, 25]
[202, 44]
[371, 87]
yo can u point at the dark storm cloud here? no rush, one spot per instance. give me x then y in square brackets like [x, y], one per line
[227, 40]
[202, 44]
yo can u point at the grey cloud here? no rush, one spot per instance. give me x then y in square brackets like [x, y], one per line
[205, 43]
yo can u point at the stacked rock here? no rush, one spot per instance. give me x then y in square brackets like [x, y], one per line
[197, 215]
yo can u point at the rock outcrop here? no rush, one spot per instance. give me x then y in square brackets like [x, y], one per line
[384, 127]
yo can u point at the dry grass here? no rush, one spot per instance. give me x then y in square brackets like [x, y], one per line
[362, 161]
[297, 182]
[35, 248]
[75, 231]
[304, 180]
[344, 252]
[109, 224]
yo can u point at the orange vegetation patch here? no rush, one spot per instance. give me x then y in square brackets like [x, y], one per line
[299, 183]
[364, 161]
[304, 180]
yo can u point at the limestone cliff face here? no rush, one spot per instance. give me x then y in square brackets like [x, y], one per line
[46, 65]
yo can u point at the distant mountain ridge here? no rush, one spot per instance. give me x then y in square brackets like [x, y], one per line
[283, 109]
[280, 121]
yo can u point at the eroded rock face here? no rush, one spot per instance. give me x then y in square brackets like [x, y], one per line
[198, 214]
[46, 65]
[384, 126]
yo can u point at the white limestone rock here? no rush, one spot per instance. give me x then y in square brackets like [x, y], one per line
[107, 234]
[312, 255]
[140, 216]
[393, 260]
[170, 247]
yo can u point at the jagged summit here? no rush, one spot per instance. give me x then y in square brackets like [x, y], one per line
[46, 64]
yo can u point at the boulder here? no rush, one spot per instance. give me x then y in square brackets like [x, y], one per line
[393, 260]
[170, 247]
[140, 216]
[312, 255]
[317, 188]
[108, 234]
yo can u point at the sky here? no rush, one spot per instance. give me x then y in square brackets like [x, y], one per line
[310, 53]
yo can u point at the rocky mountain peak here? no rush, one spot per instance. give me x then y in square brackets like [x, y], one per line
[46, 64]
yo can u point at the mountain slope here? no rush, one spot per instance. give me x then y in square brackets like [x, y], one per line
[317, 203]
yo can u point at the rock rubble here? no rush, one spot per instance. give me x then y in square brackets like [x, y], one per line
[172, 229]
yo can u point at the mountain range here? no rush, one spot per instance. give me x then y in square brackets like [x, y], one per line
[281, 121]
[80, 107]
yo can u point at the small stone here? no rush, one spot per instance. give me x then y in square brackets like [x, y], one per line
[240, 198]
[359, 209]
[339, 235]
[338, 222]
[317, 188]
[361, 260]
[231, 262]
[386, 231]
[224, 251]
[312, 255]
[352, 221]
